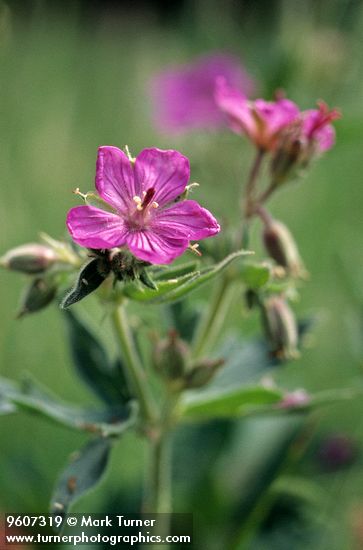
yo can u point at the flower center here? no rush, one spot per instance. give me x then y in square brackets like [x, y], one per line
[146, 201]
[139, 217]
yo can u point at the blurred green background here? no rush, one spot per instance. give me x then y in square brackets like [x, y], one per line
[75, 75]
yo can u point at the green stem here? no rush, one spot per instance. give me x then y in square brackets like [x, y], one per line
[157, 499]
[247, 201]
[214, 318]
[135, 370]
[266, 194]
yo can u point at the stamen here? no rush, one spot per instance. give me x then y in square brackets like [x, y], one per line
[138, 201]
[194, 248]
[78, 192]
[155, 204]
[128, 154]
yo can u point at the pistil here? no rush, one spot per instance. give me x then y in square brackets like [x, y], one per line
[146, 200]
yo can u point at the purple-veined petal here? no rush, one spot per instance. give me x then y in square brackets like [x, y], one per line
[156, 247]
[186, 219]
[322, 133]
[115, 180]
[276, 114]
[95, 228]
[184, 95]
[325, 138]
[165, 171]
[237, 108]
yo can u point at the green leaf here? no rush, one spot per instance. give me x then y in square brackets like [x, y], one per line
[182, 318]
[6, 407]
[246, 361]
[83, 472]
[136, 292]
[145, 279]
[89, 279]
[300, 488]
[166, 272]
[330, 397]
[92, 364]
[171, 290]
[201, 278]
[32, 397]
[236, 402]
[254, 275]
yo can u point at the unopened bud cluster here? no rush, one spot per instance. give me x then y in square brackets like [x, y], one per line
[172, 361]
[44, 262]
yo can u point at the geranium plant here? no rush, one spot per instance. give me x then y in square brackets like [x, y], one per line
[126, 242]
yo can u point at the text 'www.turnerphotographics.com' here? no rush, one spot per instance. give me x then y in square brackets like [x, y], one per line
[82, 529]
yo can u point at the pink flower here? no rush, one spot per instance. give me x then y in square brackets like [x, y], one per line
[316, 126]
[184, 97]
[261, 121]
[144, 215]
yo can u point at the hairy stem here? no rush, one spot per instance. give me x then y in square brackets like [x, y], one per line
[135, 371]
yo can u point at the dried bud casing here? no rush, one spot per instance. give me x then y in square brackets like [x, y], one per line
[38, 295]
[202, 373]
[171, 356]
[281, 247]
[287, 158]
[280, 328]
[289, 154]
[29, 258]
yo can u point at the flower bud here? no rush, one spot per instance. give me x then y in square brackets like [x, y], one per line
[29, 258]
[281, 247]
[38, 295]
[170, 357]
[202, 373]
[295, 399]
[280, 328]
[288, 155]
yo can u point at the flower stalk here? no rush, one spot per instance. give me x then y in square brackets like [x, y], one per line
[247, 205]
[214, 318]
[133, 364]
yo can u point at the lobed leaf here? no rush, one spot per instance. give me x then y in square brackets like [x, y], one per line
[92, 363]
[237, 402]
[84, 471]
[34, 398]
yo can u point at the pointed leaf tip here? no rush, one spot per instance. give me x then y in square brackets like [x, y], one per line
[83, 472]
[89, 279]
